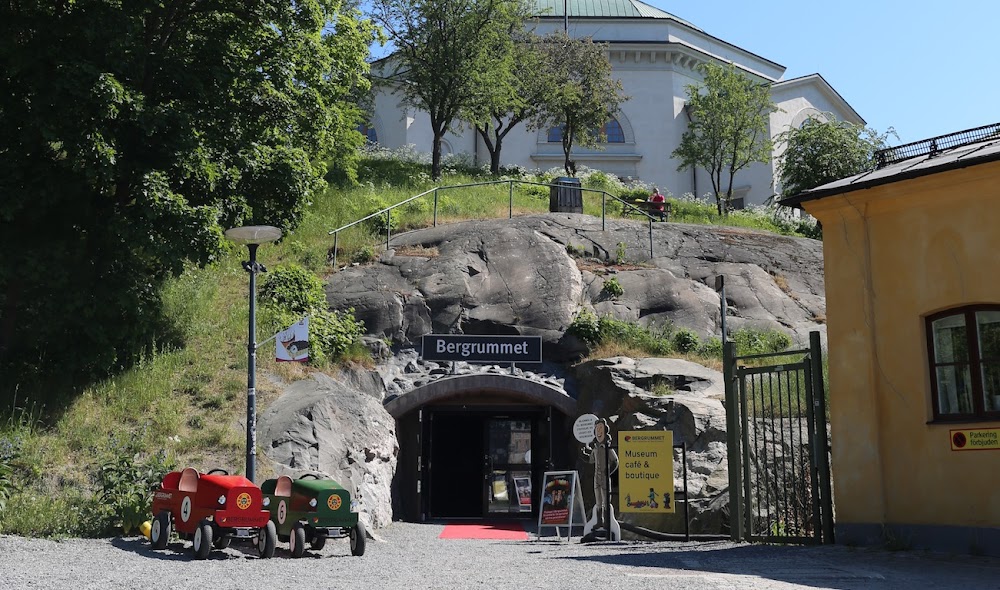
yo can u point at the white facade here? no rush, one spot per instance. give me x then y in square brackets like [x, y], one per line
[655, 56]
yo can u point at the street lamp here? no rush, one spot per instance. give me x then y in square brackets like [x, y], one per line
[252, 236]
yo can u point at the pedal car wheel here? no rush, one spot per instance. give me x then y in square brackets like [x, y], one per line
[267, 538]
[159, 533]
[202, 540]
[297, 540]
[317, 542]
[358, 540]
[222, 542]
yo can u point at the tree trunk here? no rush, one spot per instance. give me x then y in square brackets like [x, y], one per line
[436, 157]
[495, 160]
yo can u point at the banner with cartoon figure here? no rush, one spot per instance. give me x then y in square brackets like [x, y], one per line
[293, 343]
[646, 471]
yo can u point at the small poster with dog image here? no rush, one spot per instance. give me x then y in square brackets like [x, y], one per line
[293, 342]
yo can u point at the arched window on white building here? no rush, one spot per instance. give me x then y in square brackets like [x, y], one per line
[610, 132]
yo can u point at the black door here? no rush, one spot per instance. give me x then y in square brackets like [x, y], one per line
[456, 465]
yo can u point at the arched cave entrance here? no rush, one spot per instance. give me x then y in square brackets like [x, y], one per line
[476, 446]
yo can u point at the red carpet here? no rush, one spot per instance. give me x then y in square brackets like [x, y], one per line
[511, 531]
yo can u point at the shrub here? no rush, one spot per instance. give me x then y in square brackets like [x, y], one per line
[576, 251]
[711, 348]
[586, 327]
[620, 253]
[333, 334]
[612, 288]
[685, 340]
[377, 225]
[634, 335]
[364, 255]
[127, 480]
[292, 288]
[754, 341]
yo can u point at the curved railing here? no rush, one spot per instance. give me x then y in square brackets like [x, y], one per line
[387, 212]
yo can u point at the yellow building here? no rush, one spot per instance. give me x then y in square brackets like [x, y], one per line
[912, 257]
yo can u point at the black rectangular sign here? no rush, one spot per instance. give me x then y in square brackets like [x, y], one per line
[482, 349]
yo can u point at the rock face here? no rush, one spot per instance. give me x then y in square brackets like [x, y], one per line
[333, 428]
[517, 277]
[621, 388]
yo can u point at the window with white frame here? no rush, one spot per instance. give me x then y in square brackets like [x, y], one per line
[963, 346]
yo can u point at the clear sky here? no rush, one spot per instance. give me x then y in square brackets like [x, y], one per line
[924, 68]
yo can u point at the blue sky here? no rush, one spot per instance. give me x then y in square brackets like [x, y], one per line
[924, 68]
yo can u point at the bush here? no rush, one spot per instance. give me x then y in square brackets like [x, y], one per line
[711, 348]
[586, 327]
[754, 341]
[576, 251]
[685, 340]
[634, 335]
[620, 253]
[364, 255]
[612, 288]
[333, 334]
[377, 225]
[292, 288]
[127, 480]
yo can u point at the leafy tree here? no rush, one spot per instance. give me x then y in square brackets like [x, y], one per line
[824, 150]
[728, 129]
[581, 95]
[511, 91]
[131, 134]
[442, 54]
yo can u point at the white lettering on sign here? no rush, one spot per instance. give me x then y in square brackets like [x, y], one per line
[467, 349]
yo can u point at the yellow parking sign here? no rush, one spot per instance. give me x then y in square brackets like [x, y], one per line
[646, 471]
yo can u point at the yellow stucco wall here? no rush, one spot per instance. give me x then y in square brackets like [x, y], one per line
[893, 255]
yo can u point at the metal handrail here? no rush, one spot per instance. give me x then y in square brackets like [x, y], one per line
[387, 211]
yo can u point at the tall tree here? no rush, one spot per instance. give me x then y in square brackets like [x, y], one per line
[582, 95]
[510, 91]
[728, 128]
[440, 54]
[822, 150]
[131, 134]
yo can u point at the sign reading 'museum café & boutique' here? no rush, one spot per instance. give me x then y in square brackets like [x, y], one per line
[482, 349]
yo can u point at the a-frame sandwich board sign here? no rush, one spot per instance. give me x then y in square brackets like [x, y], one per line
[562, 503]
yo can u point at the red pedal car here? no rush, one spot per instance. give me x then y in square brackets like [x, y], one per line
[211, 509]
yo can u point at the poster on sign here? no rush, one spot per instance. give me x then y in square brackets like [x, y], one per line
[523, 487]
[293, 342]
[646, 471]
[562, 502]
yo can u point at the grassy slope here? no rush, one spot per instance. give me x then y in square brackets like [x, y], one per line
[191, 402]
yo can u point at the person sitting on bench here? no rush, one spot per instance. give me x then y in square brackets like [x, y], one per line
[656, 201]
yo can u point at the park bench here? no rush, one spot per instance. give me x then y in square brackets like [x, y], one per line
[645, 208]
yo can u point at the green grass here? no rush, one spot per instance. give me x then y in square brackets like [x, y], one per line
[188, 401]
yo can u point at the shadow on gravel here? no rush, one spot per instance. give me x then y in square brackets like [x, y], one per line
[794, 565]
[181, 551]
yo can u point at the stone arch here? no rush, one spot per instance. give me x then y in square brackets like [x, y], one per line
[511, 385]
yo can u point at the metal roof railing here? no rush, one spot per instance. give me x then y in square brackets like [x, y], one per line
[933, 146]
[387, 212]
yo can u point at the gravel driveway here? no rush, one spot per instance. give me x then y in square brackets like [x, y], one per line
[412, 556]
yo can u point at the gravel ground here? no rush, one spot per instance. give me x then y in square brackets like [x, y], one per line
[412, 556]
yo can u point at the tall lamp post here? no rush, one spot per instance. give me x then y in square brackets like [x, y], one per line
[253, 236]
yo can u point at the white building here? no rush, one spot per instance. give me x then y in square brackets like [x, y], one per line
[655, 55]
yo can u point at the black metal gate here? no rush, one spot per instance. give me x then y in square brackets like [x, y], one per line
[779, 465]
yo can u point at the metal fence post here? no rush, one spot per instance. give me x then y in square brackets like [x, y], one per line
[823, 456]
[336, 238]
[388, 227]
[510, 195]
[604, 206]
[650, 221]
[435, 207]
[733, 442]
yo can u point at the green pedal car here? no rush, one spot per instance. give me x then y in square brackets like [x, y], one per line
[312, 510]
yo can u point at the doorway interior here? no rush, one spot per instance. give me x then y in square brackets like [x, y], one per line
[483, 463]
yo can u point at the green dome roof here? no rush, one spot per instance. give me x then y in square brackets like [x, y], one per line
[604, 9]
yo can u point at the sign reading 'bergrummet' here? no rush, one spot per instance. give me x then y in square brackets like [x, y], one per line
[482, 349]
